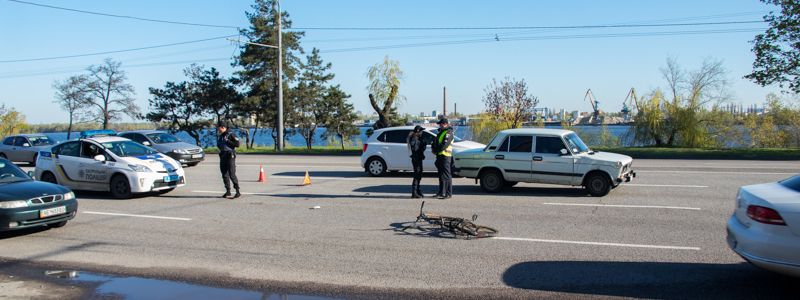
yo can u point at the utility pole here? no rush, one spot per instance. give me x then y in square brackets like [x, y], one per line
[280, 79]
[444, 102]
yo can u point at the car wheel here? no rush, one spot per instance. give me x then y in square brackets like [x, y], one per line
[49, 177]
[598, 185]
[376, 167]
[35, 157]
[492, 181]
[57, 225]
[509, 184]
[120, 187]
[3, 156]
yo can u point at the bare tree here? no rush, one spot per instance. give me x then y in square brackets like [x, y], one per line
[110, 93]
[72, 95]
[509, 101]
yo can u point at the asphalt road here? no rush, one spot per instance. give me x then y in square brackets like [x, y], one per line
[662, 236]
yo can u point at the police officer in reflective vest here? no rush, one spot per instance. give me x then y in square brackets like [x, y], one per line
[227, 143]
[442, 147]
[416, 148]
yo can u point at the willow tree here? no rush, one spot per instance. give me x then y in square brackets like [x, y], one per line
[384, 83]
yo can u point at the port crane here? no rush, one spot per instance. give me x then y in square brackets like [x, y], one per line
[630, 105]
[595, 117]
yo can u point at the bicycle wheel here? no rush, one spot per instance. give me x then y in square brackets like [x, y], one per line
[485, 231]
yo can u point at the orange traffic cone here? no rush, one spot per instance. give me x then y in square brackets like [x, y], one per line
[307, 179]
[261, 176]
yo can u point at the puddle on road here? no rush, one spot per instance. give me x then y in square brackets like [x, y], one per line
[154, 289]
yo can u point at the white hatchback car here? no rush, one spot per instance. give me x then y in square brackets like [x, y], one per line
[765, 226]
[109, 163]
[386, 150]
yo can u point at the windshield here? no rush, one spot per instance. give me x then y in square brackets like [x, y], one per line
[576, 145]
[455, 138]
[792, 183]
[128, 148]
[11, 173]
[40, 140]
[163, 138]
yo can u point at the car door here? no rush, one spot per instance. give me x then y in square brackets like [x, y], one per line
[514, 156]
[549, 165]
[19, 152]
[93, 172]
[8, 143]
[395, 149]
[66, 158]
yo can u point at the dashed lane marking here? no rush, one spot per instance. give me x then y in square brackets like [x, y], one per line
[134, 216]
[596, 243]
[622, 206]
[666, 185]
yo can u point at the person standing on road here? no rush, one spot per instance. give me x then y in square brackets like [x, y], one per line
[227, 143]
[442, 147]
[416, 147]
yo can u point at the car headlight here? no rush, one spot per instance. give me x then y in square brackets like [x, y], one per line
[180, 151]
[14, 204]
[69, 196]
[140, 168]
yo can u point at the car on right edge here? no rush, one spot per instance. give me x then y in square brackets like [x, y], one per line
[765, 226]
[541, 155]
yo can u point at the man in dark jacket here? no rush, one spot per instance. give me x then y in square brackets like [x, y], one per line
[442, 147]
[416, 147]
[227, 143]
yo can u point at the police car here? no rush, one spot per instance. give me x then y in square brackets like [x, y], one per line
[110, 164]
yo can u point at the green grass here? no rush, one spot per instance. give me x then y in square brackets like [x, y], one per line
[702, 153]
[295, 150]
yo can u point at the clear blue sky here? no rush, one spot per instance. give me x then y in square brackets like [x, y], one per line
[558, 71]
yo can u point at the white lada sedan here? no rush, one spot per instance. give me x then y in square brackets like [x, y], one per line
[765, 226]
[110, 164]
[540, 155]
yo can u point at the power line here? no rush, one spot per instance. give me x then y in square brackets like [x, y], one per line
[115, 51]
[552, 37]
[529, 27]
[122, 16]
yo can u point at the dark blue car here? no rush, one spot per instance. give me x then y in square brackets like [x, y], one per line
[26, 203]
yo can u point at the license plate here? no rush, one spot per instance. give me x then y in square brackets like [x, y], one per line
[171, 178]
[52, 212]
[197, 156]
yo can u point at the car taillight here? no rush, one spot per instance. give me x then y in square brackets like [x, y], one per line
[764, 215]
[365, 147]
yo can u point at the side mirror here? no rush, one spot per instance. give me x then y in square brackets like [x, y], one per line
[100, 158]
[146, 143]
[564, 152]
[26, 145]
[30, 174]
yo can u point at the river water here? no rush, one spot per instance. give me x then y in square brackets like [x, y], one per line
[264, 137]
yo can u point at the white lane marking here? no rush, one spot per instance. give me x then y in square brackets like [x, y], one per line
[221, 192]
[314, 177]
[134, 216]
[596, 243]
[266, 166]
[715, 172]
[665, 185]
[623, 206]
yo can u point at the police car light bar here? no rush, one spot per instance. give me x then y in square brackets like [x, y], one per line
[95, 133]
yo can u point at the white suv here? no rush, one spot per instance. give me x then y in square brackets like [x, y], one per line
[386, 150]
[540, 155]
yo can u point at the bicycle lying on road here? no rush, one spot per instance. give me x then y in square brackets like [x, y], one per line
[459, 227]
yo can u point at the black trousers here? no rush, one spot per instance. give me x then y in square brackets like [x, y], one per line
[444, 166]
[416, 163]
[227, 165]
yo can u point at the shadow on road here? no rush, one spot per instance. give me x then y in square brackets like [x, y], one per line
[92, 195]
[22, 232]
[476, 190]
[323, 196]
[652, 280]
